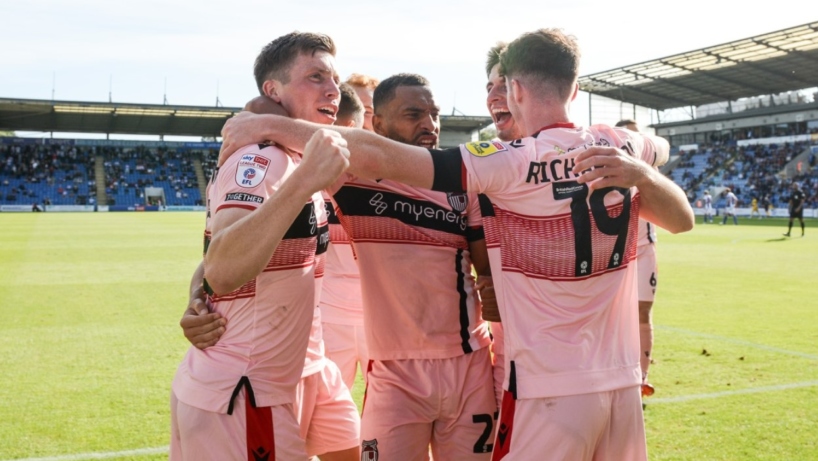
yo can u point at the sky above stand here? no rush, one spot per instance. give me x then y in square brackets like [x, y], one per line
[193, 53]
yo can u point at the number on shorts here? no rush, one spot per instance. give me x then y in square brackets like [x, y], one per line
[482, 445]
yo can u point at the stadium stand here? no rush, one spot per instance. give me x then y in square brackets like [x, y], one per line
[58, 172]
[129, 171]
[46, 174]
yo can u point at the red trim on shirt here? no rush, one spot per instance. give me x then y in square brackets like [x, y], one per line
[557, 125]
[464, 176]
[246, 207]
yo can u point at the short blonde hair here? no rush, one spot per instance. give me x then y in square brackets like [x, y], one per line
[363, 81]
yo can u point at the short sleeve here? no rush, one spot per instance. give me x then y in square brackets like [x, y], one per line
[250, 176]
[652, 149]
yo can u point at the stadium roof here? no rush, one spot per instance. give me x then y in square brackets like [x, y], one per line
[771, 63]
[122, 118]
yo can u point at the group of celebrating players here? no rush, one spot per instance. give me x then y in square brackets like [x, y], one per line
[321, 232]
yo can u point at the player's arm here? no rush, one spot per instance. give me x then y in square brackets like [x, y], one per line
[485, 285]
[200, 326]
[244, 241]
[371, 156]
[661, 149]
[662, 201]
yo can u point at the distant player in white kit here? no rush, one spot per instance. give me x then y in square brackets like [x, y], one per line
[708, 207]
[730, 202]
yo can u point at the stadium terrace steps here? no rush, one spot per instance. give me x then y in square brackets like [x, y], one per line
[791, 168]
[99, 174]
[200, 177]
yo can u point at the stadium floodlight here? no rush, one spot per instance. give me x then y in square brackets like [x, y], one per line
[83, 109]
[203, 113]
[146, 111]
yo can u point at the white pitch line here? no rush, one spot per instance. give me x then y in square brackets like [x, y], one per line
[105, 455]
[739, 341]
[714, 395]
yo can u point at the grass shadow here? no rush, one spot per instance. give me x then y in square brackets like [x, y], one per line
[779, 239]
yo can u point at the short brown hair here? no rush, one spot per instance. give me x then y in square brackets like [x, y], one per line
[494, 56]
[276, 57]
[625, 122]
[350, 107]
[549, 56]
[363, 81]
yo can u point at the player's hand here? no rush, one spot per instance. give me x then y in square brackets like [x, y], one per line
[325, 157]
[242, 130]
[610, 167]
[485, 287]
[202, 327]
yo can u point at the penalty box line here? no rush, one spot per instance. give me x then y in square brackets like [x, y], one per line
[102, 455]
[715, 395]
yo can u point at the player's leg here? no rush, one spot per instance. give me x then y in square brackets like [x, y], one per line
[334, 425]
[465, 429]
[624, 437]
[648, 277]
[646, 341]
[789, 227]
[249, 433]
[398, 411]
[735, 219]
[340, 347]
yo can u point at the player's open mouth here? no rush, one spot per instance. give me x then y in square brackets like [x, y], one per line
[427, 141]
[502, 118]
[329, 111]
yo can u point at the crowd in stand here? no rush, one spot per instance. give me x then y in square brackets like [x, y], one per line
[42, 173]
[64, 174]
[761, 166]
[129, 171]
[210, 159]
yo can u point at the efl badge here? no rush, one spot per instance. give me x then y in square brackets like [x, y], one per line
[485, 148]
[369, 450]
[458, 202]
[251, 170]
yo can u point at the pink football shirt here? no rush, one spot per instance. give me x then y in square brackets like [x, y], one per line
[341, 293]
[412, 247]
[269, 317]
[568, 292]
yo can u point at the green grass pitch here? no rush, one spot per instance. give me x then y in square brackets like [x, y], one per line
[89, 337]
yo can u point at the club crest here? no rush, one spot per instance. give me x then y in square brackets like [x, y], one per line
[369, 450]
[458, 202]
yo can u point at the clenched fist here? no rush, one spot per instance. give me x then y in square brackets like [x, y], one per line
[325, 157]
